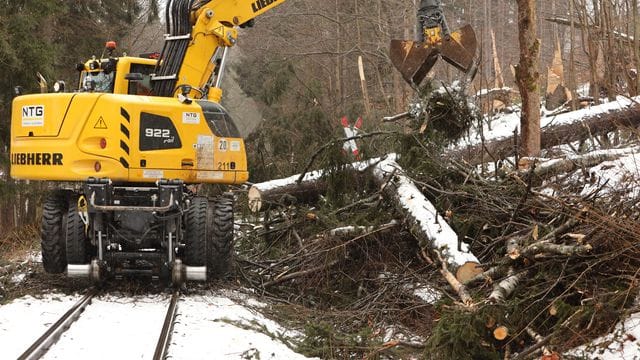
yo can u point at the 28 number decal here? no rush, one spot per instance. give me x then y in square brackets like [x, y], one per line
[223, 145]
[157, 133]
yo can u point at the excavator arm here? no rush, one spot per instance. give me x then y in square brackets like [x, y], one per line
[199, 36]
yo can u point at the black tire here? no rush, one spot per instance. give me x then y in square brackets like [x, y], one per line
[195, 233]
[75, 235]
[52, 240]
[220, 239]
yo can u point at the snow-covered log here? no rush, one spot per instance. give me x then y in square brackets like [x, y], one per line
[570, 163]
[289, 190]
[566, 128]
[286, 191]
[429, 227]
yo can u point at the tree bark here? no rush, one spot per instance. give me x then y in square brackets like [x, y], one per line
[506, 287]
[527, 76]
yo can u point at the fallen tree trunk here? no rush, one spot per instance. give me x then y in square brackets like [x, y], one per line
[570, 163]
[593, 123]
[292, 190]
[427, 226]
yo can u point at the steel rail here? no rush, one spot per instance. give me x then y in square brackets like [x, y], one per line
[167, 328]
[44, 342]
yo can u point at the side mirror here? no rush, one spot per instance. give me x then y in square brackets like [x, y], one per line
[134, 77]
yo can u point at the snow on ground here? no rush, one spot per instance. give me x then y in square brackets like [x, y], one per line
[216, 327]
[615, 175]
[24, 320]
[115, 327]
[623, 343]
[219, 326]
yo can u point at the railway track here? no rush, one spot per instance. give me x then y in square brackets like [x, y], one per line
[40, 347]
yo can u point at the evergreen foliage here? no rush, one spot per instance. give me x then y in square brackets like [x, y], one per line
[458, 335]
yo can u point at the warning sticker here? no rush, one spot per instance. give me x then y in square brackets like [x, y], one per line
[219, 31]
[204, 152]
[210, 175]
[235, 146]
[153, 174]
[100, 124]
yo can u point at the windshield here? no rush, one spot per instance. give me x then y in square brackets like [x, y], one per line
[97, 81]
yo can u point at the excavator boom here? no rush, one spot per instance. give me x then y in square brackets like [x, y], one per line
[199, 34]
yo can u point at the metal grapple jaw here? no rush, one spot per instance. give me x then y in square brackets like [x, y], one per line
[415, 59]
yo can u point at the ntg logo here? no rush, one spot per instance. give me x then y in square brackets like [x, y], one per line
[33, 112]
[33, 115]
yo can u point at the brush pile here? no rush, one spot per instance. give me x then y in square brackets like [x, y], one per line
[475, 262]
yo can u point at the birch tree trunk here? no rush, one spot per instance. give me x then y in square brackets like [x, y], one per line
[527, 76]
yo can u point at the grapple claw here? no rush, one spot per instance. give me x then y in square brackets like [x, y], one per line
[415, 59]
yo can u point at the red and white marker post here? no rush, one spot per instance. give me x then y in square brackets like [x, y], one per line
[350, 131]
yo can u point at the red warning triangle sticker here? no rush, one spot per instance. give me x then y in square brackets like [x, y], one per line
[101, 124]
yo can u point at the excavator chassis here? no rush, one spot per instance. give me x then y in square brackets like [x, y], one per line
[163, 232]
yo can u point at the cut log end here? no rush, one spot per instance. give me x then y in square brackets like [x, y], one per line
[468, 271]
[501, 333]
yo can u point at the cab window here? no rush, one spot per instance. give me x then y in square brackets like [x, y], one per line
[142, 87]
[97, 81]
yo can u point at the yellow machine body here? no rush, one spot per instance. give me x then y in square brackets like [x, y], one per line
[124, 137]
[73, 128]
[132, 137]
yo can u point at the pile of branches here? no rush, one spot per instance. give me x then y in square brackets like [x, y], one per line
[342, 267]
[557, 268]
[552, 266]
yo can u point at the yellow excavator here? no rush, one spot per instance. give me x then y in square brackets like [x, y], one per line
[414, 59]
[125, 147]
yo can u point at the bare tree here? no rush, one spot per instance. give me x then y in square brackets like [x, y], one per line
[527, 77]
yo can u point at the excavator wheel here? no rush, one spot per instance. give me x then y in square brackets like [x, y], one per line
[196, 232]
[220, 240]
[76, 238]
[52, 240]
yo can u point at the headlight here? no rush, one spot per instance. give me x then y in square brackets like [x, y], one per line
[59, 86]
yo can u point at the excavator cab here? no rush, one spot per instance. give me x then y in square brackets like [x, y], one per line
[414, 59]
[117, 75]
